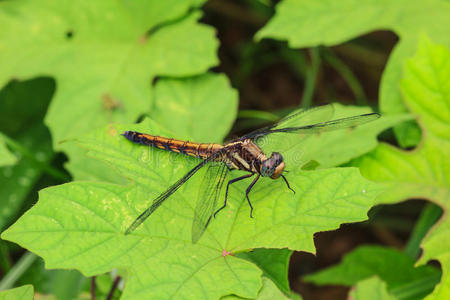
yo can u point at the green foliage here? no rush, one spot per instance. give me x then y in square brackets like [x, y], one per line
[274, 263]
[21, 293]
[186, 102]
[94, 216]
[394, 268]
[372, 288]
[116, 62]
[21, 123]
[96, 53]
[421, 173]
[313, 23]
[268, 291]
[6, 157]
[63, 284]
[207, 95]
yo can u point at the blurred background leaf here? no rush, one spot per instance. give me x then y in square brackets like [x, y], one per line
[96, 53]
[21, 293]
[311, 24]
[421, 173]
[372, 288]
[392, 267]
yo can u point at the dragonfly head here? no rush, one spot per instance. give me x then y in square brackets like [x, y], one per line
[273, 166]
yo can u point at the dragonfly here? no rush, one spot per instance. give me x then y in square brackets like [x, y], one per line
[244, 154]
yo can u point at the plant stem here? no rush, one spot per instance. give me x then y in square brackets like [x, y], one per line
[92, 290]
[311, 78]
[17, 271]
[113, 288]
[5, 260]
[417, 288]
[347, 74]
[429, 216]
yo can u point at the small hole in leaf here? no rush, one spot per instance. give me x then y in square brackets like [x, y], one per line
[69, 34]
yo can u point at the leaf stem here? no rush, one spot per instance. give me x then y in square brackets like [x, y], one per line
[5, 260]
[17, 271]
[347, 74]
[92, 289]
[429, 216]
[417, 288]
[311, 78]
[113, 288]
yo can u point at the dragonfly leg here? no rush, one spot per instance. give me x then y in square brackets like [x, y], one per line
[248, 191]
[226, 191]
[287, 183]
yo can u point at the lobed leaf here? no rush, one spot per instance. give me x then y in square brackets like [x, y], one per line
[311, 23]
[103, 56]
[159, 255]
[422, 173]
[183, 106]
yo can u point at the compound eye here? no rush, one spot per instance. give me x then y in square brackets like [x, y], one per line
[267, 167]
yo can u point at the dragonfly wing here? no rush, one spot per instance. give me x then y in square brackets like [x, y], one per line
[304, 124]
[166, 194]
[314, 120]
[330, 125]
[207, 198]
[297, 118]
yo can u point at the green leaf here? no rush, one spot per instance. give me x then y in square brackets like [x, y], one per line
[64, 284]
[6, 157]
[310, 23]
[20, 293]
[182, 105]
[394, 268]
[22, 109]
[428, 217]
[268, 291]
[422, 173]
[159, 255]
[372, 288]
[185, 271]
[201, 108]
[274, 263]
[103, 56]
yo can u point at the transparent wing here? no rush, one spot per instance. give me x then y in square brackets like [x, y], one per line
[297, 118]
[166, 194]
[330, 125]
[207, 198]
[312, 121]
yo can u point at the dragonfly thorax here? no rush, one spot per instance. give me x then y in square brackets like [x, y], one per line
[273, 166]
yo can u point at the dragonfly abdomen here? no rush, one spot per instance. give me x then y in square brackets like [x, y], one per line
[177, 146]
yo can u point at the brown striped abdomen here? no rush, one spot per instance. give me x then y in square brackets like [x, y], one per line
[178, 146]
